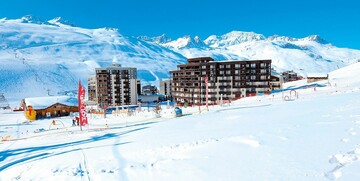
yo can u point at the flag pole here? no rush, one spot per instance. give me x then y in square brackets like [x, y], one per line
[82, 110]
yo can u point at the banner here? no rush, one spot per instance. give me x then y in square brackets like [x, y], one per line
[82, 110]
[207, 90]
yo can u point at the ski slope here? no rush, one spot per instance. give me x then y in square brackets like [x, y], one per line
[314, 137]
[41, 57]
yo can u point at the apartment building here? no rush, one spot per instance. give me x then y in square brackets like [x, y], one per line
[165, 87]
[114, 86]
[92, 88]
[227, 80]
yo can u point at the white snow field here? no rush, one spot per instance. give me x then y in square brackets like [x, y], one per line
[314, 137]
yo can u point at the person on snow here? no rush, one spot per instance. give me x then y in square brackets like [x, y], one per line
[77, 121]
[73, 122]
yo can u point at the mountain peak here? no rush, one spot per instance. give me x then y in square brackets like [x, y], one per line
[32, 19]
[59, 21]
[161, 39]
[315, 38]
[157, 39]
[186, 42]
[233, 38]
[281, 38]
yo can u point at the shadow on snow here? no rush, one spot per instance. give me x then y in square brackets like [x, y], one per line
[41, 152]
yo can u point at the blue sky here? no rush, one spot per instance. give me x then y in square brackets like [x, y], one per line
[337, 21]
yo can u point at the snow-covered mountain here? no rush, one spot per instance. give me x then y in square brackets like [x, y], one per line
[158, 39]
[185, 42]
[40, 56]
[37, 57]
[233, 38]
[303, 55]
[315, 38]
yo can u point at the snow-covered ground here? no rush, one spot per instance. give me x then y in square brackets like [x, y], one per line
[314, 137]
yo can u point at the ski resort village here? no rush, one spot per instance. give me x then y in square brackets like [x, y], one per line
[93, 104]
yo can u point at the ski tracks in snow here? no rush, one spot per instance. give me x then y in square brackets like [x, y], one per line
[342, 160]
[84, 167]
[182, 151]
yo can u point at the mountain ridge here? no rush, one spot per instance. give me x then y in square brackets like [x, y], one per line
[309, 54]
[36, 57]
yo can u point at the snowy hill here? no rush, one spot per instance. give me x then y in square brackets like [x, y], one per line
[303, 55]
[37, 56]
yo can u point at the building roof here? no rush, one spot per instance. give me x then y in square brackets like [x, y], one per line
[236, 61]
[44, 102]
[317, 75]
[200, 60]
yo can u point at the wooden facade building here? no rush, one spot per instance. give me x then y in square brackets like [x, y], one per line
[52, 106]
[56, 110]
[314, 77]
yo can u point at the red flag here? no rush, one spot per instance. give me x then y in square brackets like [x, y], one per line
[82, 110]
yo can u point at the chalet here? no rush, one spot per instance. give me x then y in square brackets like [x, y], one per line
[289, 76]
[314, 77]
[52, 106]
[276, 82]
